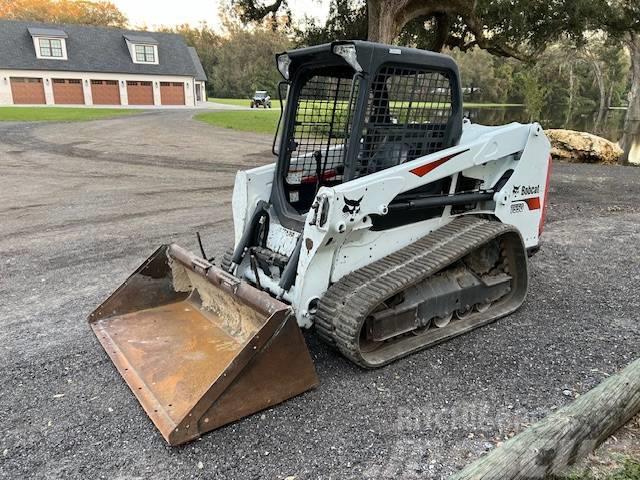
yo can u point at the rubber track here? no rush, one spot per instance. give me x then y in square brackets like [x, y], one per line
[347, 303]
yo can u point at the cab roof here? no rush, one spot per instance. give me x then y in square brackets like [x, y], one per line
[370, 56]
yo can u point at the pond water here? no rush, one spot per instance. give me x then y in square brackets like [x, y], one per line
[610, 127]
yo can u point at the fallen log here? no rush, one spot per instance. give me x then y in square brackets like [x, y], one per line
[582, 147]
[564, 437]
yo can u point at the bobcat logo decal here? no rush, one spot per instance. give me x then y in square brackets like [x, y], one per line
[351, 207]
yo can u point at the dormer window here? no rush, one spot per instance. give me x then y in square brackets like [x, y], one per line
[50, 48]
[143, 48]
[145, 53]
[49, 43]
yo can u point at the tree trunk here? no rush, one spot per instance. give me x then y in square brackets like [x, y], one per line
[598, 72]
[381, 22]
[571, 95]
[564, 437]
[387, 18]
[602, 88]
[630, 141]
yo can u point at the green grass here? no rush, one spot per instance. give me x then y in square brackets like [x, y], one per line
[242, 102]
[491, 105]
[265, 121]
[59, 114]
[629, 470]
[259, 121]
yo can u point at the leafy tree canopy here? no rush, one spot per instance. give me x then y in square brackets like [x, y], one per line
[101, 13]
[512, 28]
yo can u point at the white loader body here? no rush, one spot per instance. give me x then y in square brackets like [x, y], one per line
[345, 241]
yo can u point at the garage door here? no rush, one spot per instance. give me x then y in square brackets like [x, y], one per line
[172, 93]
[27, 91]
[105, 92]
[67, 91]
[140, 93]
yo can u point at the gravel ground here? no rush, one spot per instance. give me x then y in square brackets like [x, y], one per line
[81, 205]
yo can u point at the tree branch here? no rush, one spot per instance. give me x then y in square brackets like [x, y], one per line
[495, 47]
[443, 29]
[251, 11]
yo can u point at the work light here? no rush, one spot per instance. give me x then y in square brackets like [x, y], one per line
[283, 65]
[348, 52]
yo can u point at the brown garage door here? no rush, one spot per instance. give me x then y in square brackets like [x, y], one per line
[27, 91]
[140, 93]
[105, 92]
[68, 91]
[172, 93]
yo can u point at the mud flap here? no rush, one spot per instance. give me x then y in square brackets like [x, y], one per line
[198, 347]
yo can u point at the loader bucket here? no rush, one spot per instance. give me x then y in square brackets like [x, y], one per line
[198, 347]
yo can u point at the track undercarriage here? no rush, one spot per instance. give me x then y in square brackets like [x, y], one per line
[460, 277]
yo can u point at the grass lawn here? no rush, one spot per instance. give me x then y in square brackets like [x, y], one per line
[629, 470]
[491, 105]
[265, 121]
[259, 121]
[59, 114]
[242, 102]
[239, 102]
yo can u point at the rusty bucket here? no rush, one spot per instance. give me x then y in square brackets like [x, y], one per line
[198, 347]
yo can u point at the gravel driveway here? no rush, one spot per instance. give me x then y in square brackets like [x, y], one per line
[81, 205]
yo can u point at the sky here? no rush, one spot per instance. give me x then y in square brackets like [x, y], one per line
[153, 13]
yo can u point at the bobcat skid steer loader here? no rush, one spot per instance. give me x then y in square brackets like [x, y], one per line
[387, 222]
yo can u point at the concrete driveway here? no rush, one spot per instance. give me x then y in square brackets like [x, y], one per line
[81, 205]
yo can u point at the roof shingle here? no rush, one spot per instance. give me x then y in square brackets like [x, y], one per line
[94, 49]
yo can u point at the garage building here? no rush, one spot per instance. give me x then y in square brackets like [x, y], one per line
[51, 64]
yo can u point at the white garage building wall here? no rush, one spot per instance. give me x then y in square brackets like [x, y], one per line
[6, 97]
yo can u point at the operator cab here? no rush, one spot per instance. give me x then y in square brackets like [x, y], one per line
[356, 108]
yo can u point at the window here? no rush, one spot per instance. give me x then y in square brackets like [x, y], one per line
[145, 53]
[320, 135]
[104, 82]
[407, 116]
[51, 48]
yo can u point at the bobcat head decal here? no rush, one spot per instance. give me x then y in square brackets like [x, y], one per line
[351, 207]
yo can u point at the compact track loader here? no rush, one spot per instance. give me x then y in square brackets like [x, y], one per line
[388, 222]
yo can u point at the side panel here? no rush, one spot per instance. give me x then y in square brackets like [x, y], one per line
[521, 201]
[250, 187]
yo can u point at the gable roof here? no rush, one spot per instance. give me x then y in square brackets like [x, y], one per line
[93, 49]
[200, 73]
